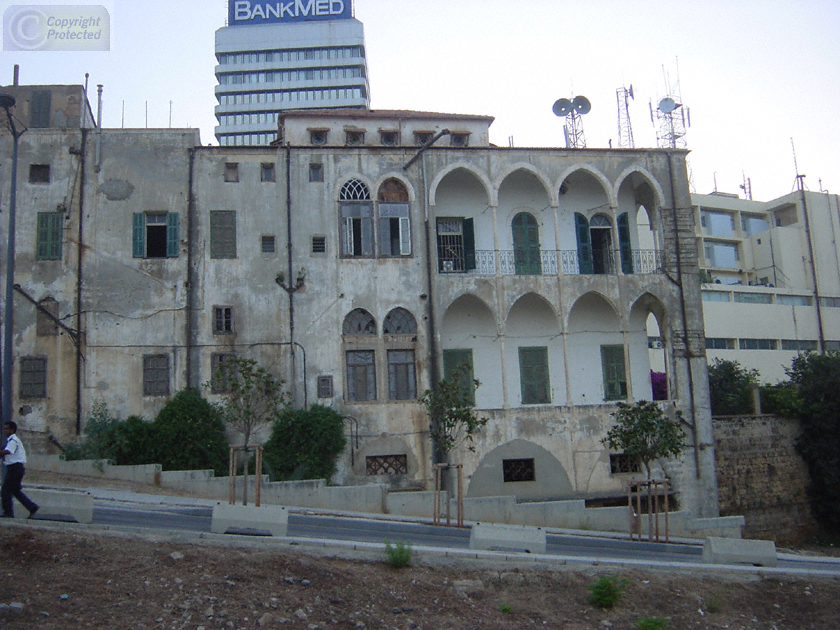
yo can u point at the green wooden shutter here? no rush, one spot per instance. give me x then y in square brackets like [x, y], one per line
[533, 376]
[49, 236]
[469, 244]
[615, 378]
[452, 360]
[39, 109]
[584, 244]
[624, 244]
[173, 220]
[139, 235]
[526, 245]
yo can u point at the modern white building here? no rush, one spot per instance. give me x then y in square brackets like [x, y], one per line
[274, 56]
[771, 274]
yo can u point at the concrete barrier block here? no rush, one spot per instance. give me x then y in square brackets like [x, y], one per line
[271, 518]
[496, 537]
[58, 505]
[759, 553]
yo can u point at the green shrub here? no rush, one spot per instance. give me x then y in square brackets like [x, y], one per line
[134, 442]
[188, 434]
[652, 623]
[729, 388]
[100, 436]
[505, 608]
[305, 444]
[781, 399]
[399, 555]
[606, 592]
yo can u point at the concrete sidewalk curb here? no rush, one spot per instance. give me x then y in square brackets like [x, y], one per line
[365, 551]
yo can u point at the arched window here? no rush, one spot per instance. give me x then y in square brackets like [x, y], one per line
[356, 219]
[399, 322]
[359, 322]
[394, 221]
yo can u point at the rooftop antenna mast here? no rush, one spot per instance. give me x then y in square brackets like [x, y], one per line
[625, 129]
[746, 186]
[572, 110]
[672, 118]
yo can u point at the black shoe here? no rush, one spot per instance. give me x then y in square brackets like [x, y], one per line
[32, 511]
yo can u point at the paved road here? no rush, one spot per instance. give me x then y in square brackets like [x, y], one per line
[197, 519]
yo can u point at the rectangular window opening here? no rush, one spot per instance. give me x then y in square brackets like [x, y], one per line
[268, 245]
[33, 377]
[515, 470]
[223, 234]
[156, 375]
[222, 320]
[622, 463]
[615, 376]
[220, 366]
[534, 378]
[386, 464]
[361, 375]
[461, 361]
[316, 172]
[319, 244]
[325, 386]
[232, 172]
[39, 173]
[402, 380]
[267, 172]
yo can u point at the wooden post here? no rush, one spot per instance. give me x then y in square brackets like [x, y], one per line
[232, 476]
[460, 495]
[258, 479]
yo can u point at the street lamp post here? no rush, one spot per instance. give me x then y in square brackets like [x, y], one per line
[7, 101]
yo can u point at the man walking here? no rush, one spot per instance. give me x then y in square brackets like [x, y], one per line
[14, 456]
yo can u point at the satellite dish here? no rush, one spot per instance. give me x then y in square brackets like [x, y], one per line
[562, 107]
[631, 92]
[667, 105]
[581, 105]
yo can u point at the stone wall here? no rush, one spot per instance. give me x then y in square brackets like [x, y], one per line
[761, 477]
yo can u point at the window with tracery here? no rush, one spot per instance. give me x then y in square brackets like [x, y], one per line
[359, 322]
[356, 219]
[399, 322]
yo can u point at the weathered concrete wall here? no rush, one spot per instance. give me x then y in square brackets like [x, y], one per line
[761, 476]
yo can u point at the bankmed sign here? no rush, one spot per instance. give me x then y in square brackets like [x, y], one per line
[56, 27]
[241, 12]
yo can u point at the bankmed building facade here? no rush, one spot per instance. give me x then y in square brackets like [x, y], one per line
[290, 54]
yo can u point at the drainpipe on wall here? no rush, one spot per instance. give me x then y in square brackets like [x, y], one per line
[684, 314]
[191, 327]
[801, 183]
[80, 283]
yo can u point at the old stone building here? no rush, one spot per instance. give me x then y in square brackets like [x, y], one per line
[361, 258]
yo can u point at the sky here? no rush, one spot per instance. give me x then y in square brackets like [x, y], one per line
[760, 77]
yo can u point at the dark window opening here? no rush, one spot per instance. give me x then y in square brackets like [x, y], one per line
[518, 470]
[316, 172]
[39, 109]
[222, 320]
[622, 463]
[220, 366]
[156, 237]
[402, 380]
[422, 138]
[268, 245]
[232, 172]
[319, 244]
[39, 173]
[389, 138]
[267, 172]
[318, 136]
[33, 377]
[386, 464]
[325, 386]
[459, 139]
[156, 375]
[355, 138]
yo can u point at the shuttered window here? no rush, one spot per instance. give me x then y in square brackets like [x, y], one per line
[402, 381]
[50, 225]
[533, 375]
[223, 234]
[615, 377]
[156, 235]
[39, 109]
[454, 359]
[361, 375]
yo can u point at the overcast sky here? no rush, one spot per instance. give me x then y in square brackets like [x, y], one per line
[754, 73]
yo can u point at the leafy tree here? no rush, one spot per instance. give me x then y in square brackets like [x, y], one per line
[305, 444]
[645, 433]
[781, 399]
[817, 377]
[729, 388]
[453, 420]
[188, 434]
[252, 396]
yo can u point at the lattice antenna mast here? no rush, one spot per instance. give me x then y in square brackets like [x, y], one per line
[572, 110]
[672, 117]
[625, 129]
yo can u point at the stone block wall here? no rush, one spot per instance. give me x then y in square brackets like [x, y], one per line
[761, 476]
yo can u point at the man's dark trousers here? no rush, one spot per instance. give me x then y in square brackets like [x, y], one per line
[12, 488]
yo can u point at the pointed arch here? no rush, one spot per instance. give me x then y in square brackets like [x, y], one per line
[359, 322]
[399, 321]
[587, 169]
[525, 167]
[489, 191]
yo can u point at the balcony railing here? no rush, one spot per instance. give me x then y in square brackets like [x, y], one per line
[567, 262]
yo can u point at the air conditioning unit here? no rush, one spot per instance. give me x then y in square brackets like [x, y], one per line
[655, 344]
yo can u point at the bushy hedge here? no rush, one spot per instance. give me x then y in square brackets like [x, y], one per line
[729, 388]
[187, 434]
[305, 444]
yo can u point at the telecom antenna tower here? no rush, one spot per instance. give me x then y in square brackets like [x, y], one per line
[572, 110]
[625, 129]
[672, 118]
